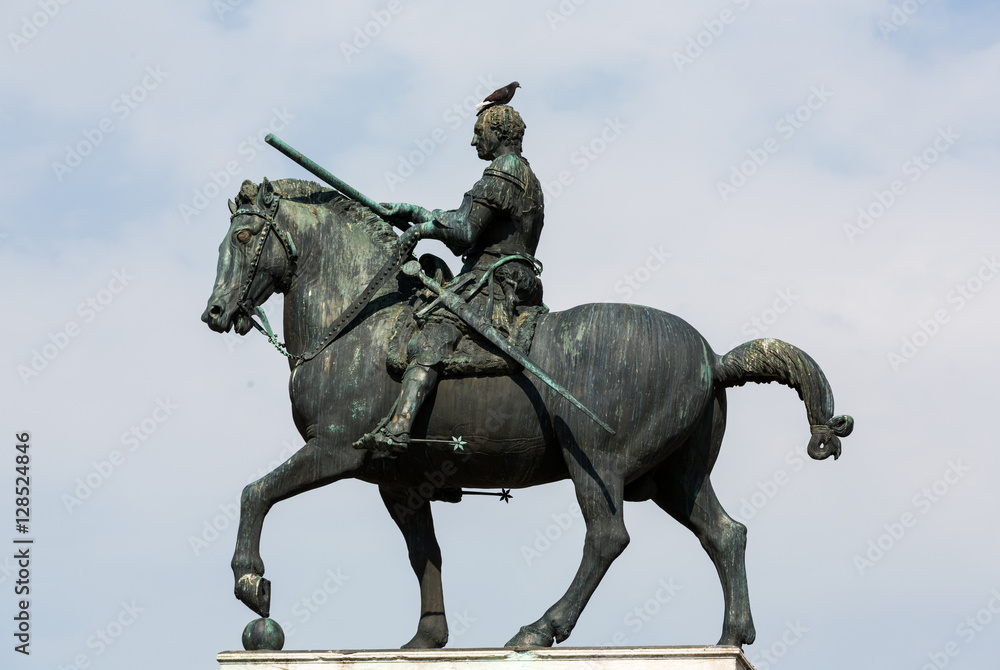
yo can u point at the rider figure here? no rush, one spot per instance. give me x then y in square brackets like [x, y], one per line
[496, 231]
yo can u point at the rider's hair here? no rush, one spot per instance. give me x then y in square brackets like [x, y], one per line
[506, 122]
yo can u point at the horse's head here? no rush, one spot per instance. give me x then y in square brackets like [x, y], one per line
[256, 258]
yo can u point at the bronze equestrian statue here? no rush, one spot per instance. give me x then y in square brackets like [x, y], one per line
[648, 374]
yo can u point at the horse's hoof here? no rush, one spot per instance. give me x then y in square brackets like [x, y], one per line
[255, 592]
[737, 639]
[426, 640]
[528, 637]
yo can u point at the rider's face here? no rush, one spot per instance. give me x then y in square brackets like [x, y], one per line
[485, 139]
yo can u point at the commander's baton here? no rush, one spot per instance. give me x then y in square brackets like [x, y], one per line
[328, 177]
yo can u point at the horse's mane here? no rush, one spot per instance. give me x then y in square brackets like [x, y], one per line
[311, 193]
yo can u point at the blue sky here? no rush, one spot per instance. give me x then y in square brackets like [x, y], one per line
[880, 262]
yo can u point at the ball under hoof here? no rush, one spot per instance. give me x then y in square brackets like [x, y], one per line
[263, 634]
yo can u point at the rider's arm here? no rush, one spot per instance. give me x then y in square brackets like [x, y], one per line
[498, 190]
[457, 228]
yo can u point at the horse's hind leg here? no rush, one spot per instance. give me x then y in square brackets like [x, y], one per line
[599, 490]
[310, 467]
[685, 491]
[417, 526]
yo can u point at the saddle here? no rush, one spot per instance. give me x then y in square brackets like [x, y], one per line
[474, 355]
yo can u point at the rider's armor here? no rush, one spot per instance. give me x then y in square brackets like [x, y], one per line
[496, 231]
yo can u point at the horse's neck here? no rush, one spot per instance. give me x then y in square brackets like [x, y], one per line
[337, 259]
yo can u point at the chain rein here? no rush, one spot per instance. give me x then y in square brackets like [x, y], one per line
[290, 251]
[390, 268]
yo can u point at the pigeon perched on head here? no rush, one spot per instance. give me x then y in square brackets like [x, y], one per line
[501, 96]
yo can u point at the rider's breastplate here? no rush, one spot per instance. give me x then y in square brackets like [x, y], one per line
[512, 192]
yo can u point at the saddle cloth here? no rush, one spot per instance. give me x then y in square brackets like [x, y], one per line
[474, 356]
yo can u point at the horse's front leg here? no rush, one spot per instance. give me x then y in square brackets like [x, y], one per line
[599, 491]
[314, 465]
[417, 527]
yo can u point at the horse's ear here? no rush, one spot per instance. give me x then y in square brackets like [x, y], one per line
[232, 207]
[266, 195]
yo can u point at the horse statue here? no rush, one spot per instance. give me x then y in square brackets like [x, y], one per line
[647, 373]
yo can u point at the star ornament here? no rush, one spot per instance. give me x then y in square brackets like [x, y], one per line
[458, 443]
[505, 495]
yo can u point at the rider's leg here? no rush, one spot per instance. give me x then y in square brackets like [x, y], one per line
[426, 349]
[418, 381]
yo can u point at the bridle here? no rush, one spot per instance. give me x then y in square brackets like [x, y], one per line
[271, 201]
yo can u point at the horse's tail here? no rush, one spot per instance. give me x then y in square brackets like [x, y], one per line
[767, 360]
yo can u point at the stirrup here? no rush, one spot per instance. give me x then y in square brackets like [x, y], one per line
[381, 440]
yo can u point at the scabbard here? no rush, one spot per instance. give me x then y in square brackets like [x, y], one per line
[465, 312]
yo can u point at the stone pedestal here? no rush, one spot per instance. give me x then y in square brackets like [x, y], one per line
[562, 658]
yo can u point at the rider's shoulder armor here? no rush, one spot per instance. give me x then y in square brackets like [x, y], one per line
[512, 169]
[508, 185]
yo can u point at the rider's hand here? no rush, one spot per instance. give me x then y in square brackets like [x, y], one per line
[407, 212]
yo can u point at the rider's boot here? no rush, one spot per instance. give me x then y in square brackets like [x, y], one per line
[418, 381]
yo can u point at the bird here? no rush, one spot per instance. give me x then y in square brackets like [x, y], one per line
[501, 96]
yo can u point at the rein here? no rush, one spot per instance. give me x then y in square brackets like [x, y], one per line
[390, 268]
[290, 251]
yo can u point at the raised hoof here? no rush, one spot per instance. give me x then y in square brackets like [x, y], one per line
[255, 592]
[529, 637]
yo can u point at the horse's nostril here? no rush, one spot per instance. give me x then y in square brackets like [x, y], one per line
[215, 312]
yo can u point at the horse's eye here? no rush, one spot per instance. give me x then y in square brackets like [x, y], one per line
[243, 236]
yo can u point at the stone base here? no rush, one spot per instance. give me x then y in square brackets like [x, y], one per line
[561, 658]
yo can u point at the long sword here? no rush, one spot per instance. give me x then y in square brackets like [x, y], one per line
[462, 309]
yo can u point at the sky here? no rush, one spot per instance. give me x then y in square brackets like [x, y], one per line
[822, 172]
